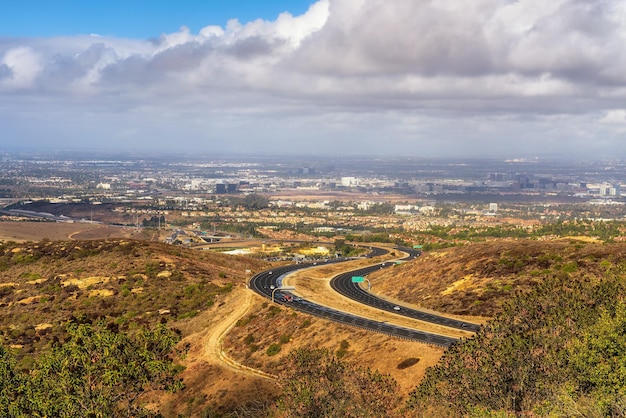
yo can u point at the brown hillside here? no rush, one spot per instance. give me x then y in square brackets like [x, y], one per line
[130, 283]
[271, 325]
[135, 283]
[476, 278]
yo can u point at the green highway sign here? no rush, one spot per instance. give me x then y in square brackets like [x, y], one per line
[418, 246]
[358, 279]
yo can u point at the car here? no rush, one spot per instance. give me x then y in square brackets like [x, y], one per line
[396, 308]
[270, 272]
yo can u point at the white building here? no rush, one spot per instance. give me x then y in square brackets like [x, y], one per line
[349, 181]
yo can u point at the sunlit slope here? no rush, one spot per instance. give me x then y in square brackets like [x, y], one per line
[475, 279]
[127, 283]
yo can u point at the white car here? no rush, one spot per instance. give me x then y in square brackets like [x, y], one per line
[396, 308]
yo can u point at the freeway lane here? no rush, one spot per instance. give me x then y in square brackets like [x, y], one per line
[263, 283]
[342, 283]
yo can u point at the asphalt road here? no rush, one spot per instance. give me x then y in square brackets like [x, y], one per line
[266, 282]
[343, 284]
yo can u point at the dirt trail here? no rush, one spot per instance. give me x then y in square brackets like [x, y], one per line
[235, 309]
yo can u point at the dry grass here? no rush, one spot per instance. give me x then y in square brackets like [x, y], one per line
[475, 279]
[268, 324]
[66, 277]
[36, 231]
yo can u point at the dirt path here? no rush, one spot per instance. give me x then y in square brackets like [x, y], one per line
[213, 342]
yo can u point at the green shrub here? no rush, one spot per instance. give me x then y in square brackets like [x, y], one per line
[273, 311]
[273, 349]
[125, 290]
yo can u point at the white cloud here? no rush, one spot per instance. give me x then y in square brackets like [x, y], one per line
[614, 116]
[414, 64]
[24, 66]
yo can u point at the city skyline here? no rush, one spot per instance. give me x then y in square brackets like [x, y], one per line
[492, 78]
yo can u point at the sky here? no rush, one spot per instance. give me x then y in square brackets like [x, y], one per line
[429, 78]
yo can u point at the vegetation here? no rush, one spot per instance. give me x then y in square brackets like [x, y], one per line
[557, 350]
[97, 372]
[604, 231]
[154, 222]
[129, 283]
[317, 384]
[383, 208]
[378, 237]
[346, 250]
[555, 347]
[477, 278]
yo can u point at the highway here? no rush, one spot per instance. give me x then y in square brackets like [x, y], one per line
[266, 282]
[343, 284]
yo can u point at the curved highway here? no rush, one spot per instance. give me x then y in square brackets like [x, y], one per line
[343, 284]
[266, 282]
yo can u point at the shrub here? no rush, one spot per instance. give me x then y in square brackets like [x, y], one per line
[273, 349]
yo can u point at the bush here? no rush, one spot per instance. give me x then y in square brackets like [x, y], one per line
[317, 384]
[96, 372]
[273, 349]
[343, 348]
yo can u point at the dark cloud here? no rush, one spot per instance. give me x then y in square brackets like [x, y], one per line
[398, 37]
[253, 47]
[63, 70]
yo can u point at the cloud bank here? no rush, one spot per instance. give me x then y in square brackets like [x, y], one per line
[361, 76]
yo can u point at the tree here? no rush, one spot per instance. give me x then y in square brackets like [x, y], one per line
[97, 372]
[255, 202]
[597, 359]
[318, 384]
[12, 385]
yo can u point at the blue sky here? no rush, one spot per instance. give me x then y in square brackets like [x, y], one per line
[132, 18]
[496, 78]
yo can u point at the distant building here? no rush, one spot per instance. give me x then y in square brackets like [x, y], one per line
[406, 209]
[610, 190]
[493, 207]
[349, 181]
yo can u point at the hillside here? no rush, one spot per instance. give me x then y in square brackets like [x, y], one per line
[475, 279]
[546, 296]
[556, 349]
[129, 283]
